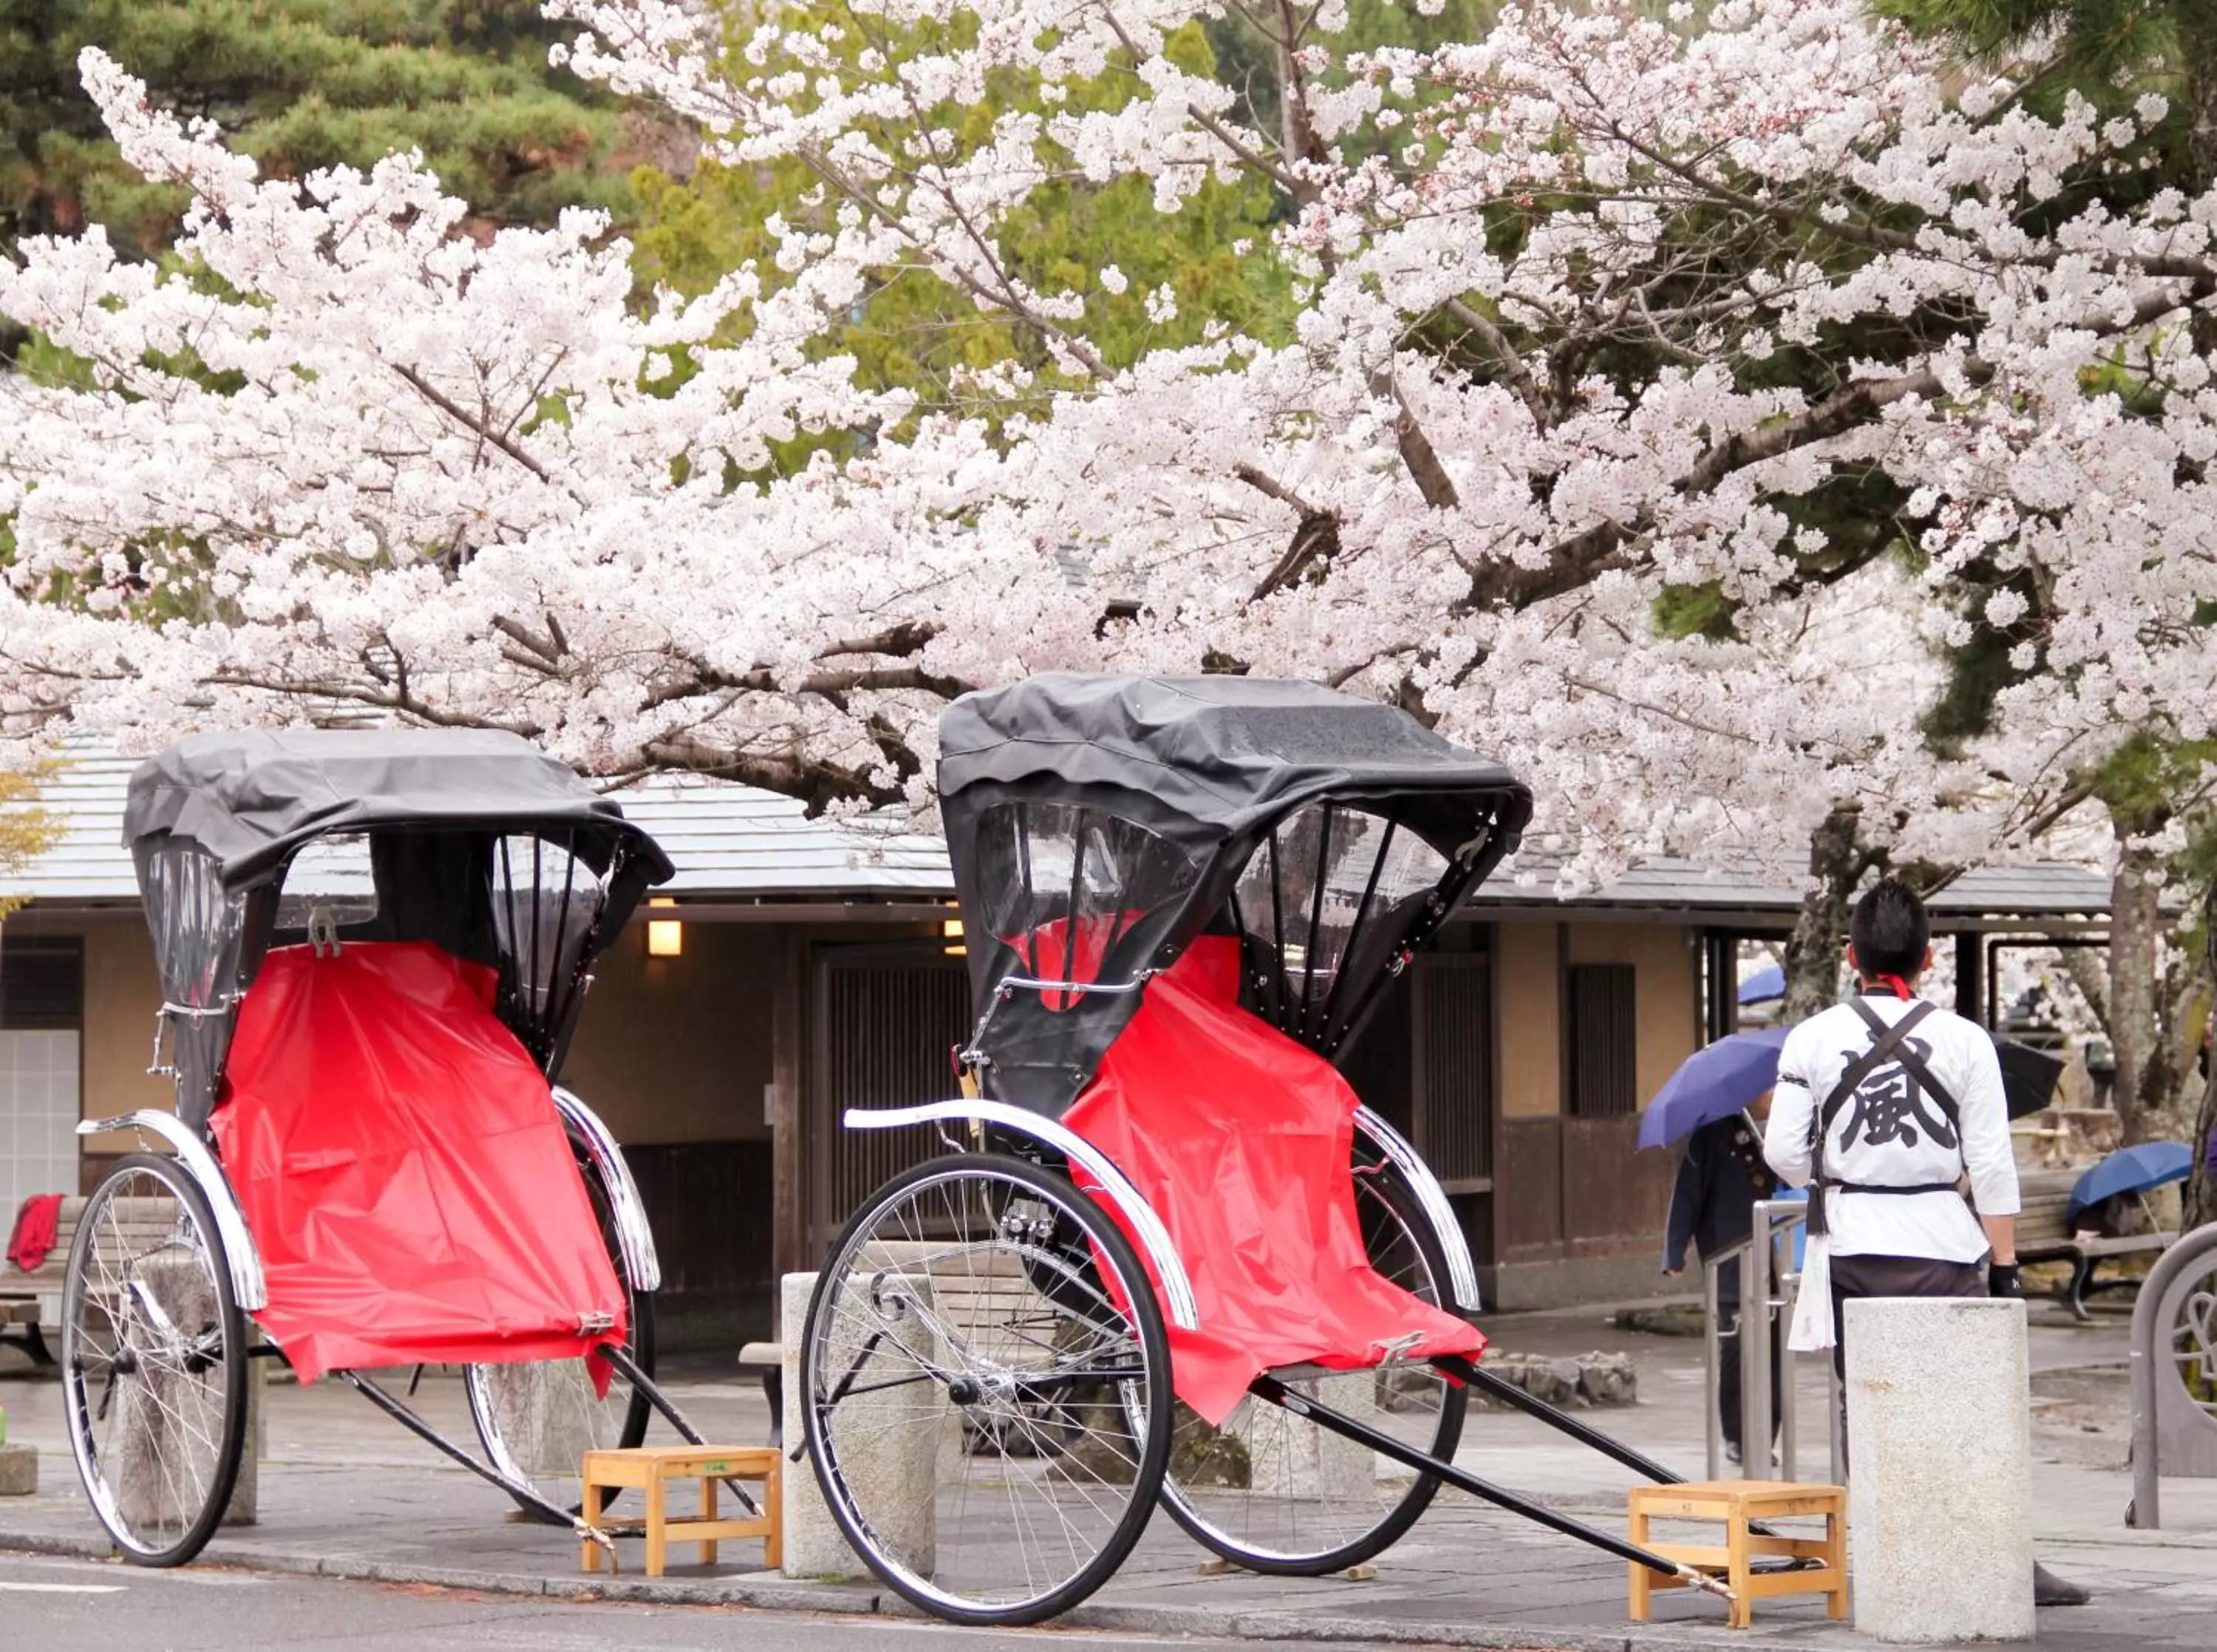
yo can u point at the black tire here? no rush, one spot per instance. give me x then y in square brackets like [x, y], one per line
[1393, 1227]
[1060, 1294]
[172, 1354]
[483, 1382]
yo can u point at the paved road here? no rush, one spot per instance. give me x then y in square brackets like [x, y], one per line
[74, 1605]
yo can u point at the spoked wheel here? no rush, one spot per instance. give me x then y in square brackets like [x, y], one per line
[154, 1362]
[538, 1418]
[1277, 1494]
[965, 1354]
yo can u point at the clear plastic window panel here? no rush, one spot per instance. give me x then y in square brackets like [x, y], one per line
[1063, 885]
[330, 876]
[196, 924]
[198, 930]
[1328, 877]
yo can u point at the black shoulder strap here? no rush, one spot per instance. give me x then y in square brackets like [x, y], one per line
[1885, 1045]
[1908, 1057]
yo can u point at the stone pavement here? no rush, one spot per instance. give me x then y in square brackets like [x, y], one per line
[345, 1492]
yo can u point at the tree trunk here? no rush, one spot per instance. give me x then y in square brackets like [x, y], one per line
[2200, 1198]
[2091, 974]
[2199, 43]
[2144, 1079]
[1821, 929]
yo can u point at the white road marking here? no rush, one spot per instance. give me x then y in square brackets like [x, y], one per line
[62, 1588]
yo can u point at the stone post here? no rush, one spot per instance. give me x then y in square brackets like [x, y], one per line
[894, 1467]
[19, 1465]
[161, 1410]
[1940, 1469]
[246, 1496]
[1290, 1457]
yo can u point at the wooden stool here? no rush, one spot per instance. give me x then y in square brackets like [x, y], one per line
[649, 1470]
[1735, 1502]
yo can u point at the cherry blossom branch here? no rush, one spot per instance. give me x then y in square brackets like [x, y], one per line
[481, 428]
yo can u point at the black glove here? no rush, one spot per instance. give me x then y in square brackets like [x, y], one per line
[2003, 1279]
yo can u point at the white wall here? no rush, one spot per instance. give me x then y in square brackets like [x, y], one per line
[38, 1117]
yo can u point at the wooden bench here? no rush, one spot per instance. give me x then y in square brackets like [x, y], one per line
[649, 1470]
[29, 1301]
[33, 1301]
[2045, 1234]
[766, 1360]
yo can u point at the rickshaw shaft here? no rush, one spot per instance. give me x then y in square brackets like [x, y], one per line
[1461, 1369]
[1277, 1393]
[414, 1425]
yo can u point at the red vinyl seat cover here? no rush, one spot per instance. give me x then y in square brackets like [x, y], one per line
[1242, 1140]
[403, 1169]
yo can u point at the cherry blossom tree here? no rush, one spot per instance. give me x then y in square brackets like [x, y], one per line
[1666, 393]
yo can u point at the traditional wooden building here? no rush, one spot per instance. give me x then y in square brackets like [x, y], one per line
[806, 967]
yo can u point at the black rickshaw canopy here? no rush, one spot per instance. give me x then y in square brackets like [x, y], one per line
[1097, 824]
[476, 842]
[1198, 759]
[251, 799]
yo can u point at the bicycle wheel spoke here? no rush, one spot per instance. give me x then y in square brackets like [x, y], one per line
[153, 1362]
[963, 1362]
[1275, 1492]
[538, 1418]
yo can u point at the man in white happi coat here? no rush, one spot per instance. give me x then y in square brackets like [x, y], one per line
[1883, 1105]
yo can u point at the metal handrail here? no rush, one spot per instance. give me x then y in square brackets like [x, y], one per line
[1763, 1287]
[972, 1054]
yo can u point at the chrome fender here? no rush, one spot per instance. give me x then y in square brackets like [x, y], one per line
[1154, 1238]
[1432, 1198]
[240, 1252]
[634, 1237]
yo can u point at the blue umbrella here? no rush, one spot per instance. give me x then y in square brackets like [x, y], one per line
[1713, 1083]
[2131, 1170]
[1763, 986]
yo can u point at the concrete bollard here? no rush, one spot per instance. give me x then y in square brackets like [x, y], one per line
[1289, 1457]
[895, 1467]
[245, 1508]
[19, 1464]
[159, 1412]
[1940, 1469]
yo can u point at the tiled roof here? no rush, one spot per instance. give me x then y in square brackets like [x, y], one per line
[735, 840]
[726, 841]
[89, 863]
[2041, 890]
[738, 843]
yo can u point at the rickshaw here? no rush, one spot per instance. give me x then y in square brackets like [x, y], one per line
[1169, 1258]
[373, 945]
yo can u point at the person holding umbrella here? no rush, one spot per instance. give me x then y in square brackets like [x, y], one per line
[1721, 1175]
[1715, 1103]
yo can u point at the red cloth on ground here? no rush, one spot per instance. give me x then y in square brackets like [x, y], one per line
[1242, 1141]
[403, 1169]
[37, 1223]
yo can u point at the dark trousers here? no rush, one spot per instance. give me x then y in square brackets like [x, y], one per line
[1890, 1276]
[1730, 1388]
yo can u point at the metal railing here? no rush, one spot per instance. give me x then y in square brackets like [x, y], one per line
[2174, 1371]
[1764, 1288]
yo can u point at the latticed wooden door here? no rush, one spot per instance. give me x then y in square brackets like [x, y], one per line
[884, 1019]
[1452, 1095]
